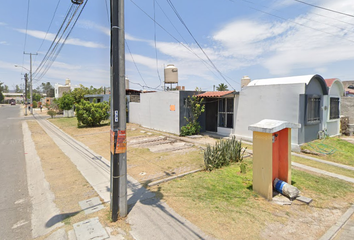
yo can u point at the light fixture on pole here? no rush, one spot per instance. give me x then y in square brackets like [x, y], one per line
[26, 80]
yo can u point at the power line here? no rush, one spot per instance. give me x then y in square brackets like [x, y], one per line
[156, 57]
[195, 40]
[50, 24]
[323, 8]
[59, 42]
[285, 19]
[135, 63]
[178, 41]
[25, 41]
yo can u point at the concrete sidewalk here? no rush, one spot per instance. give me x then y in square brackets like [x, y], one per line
[148, 217]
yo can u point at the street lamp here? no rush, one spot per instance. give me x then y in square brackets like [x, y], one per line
[30, 70]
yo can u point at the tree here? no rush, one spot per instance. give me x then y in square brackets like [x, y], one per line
[48, 89]
[222, 87]
[79, 93]
[18, 89]
[36, 97]
[91, 114]
[1, 91]
[197, 108]
[66, 102]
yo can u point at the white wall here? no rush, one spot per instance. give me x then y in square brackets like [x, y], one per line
[332, 126]
[278, 102]
[154, 112]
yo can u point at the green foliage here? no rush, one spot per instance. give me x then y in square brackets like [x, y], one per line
[79, 93]
[197, 108]
[48, 89]
[36, 97]
[222, 87]
[52, 113]
[223, 153]
[91, 114]
[2, 89]
[66, 102]
[34, 103]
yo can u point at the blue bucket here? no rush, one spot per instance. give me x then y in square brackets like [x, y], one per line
[279, 186]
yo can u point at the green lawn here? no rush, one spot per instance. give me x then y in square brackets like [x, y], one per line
[224, 198]
[343, 150]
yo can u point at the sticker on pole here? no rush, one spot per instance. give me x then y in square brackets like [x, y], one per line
[121, 142]
[112, 133]
[116, 116]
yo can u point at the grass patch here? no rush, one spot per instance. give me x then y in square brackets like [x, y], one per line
[323, 166]
[224, 205]
[321, 188]
[344, 151]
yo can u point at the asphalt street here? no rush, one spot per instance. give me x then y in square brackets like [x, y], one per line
[15, 204]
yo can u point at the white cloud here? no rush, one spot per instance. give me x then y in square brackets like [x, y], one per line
[72, 41]
[3, 43]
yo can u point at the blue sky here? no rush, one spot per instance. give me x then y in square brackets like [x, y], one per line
[261, 39]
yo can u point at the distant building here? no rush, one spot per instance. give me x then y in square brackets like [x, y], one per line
[61, 89]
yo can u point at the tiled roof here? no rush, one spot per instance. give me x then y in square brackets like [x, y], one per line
[330, 81]
[215, 94]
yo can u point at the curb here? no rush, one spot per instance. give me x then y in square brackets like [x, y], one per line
[173, 177]
[332, 232]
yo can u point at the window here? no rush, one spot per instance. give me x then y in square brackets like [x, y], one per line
[226, 112]
[334, 108]
[313, 109]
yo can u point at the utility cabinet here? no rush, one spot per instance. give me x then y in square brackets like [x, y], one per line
[271, 154]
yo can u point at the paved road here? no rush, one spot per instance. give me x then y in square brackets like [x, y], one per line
[15, 204]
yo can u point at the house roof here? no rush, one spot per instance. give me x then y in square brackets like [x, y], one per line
[330, 81]
[335, 82]
[285, 80]
[306, 79]
[217, 94]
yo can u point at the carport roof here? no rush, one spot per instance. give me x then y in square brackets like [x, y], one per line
[217, 94]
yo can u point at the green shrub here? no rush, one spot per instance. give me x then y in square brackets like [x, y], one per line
[66, 102]
[35, 105]
[91, 114]
[196, 107]
[52, 113]
[223, 153]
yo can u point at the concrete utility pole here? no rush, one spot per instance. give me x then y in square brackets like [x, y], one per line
[31, 96]
[118, 185]
[26, 79]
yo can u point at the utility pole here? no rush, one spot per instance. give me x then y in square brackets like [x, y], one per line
[31, 96]
[118, 185]
[26, 79]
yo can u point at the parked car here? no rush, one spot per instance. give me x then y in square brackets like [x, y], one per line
[13, 102]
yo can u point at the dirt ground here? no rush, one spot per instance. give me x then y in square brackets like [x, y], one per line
[67, 183]
[296, 221]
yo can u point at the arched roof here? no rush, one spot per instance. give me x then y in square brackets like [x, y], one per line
[331, 82]
[291, 80]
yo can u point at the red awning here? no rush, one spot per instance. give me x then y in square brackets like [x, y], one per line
[217, 94]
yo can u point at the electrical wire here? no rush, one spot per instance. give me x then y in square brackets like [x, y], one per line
[177, 40]
[59, 41]
[156, 57]
[323, 8]
[131, 55]
[285, 19]
[25, 41]
[195, 40]
[50, 24]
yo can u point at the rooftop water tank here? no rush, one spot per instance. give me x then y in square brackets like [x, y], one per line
[171, 74]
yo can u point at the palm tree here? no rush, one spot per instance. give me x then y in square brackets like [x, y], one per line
[222, 87]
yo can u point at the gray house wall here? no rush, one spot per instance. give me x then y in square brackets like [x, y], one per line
[309, 132]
